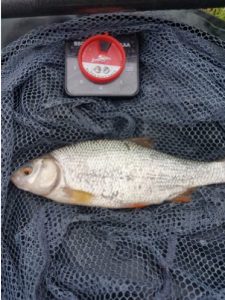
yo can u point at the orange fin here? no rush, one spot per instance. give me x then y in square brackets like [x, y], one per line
[78, 196]
[137, 205]
[182, 199]
[185, 197]
[144, 142]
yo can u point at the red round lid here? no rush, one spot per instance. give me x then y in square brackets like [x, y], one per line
[102, 58]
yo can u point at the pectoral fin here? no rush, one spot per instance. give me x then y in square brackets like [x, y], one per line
[144, 142]
[78, 196]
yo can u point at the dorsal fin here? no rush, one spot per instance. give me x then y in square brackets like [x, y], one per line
[142, 141]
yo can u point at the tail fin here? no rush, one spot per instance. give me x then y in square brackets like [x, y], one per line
[210, 173]
[219, 171]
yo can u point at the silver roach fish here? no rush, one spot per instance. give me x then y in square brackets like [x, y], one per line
[115, 174]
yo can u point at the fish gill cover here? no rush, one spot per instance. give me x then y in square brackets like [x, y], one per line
[53, 251]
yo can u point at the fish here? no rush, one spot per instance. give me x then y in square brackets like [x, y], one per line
[115, 174]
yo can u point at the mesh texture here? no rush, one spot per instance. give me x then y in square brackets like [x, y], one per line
[171, 251]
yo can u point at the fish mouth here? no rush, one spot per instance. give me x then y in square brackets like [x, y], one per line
[13, 178]
[16, 180]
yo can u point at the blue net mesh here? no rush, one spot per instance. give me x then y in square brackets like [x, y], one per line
[53, 251]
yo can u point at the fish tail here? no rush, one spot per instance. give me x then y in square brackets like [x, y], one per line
[219, 171]
[210, 173]
[223, 167]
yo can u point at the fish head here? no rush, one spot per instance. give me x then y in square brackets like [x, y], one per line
[38, 176]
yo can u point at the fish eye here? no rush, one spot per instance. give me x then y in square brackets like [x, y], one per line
[27, 170]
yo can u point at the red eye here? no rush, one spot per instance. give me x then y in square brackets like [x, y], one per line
[27, 171]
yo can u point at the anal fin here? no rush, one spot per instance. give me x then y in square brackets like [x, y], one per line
[184, 197]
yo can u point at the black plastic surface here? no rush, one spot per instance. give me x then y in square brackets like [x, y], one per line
[13, 28]
[28, 8]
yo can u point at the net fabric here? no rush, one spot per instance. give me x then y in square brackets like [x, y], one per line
[53, 251]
